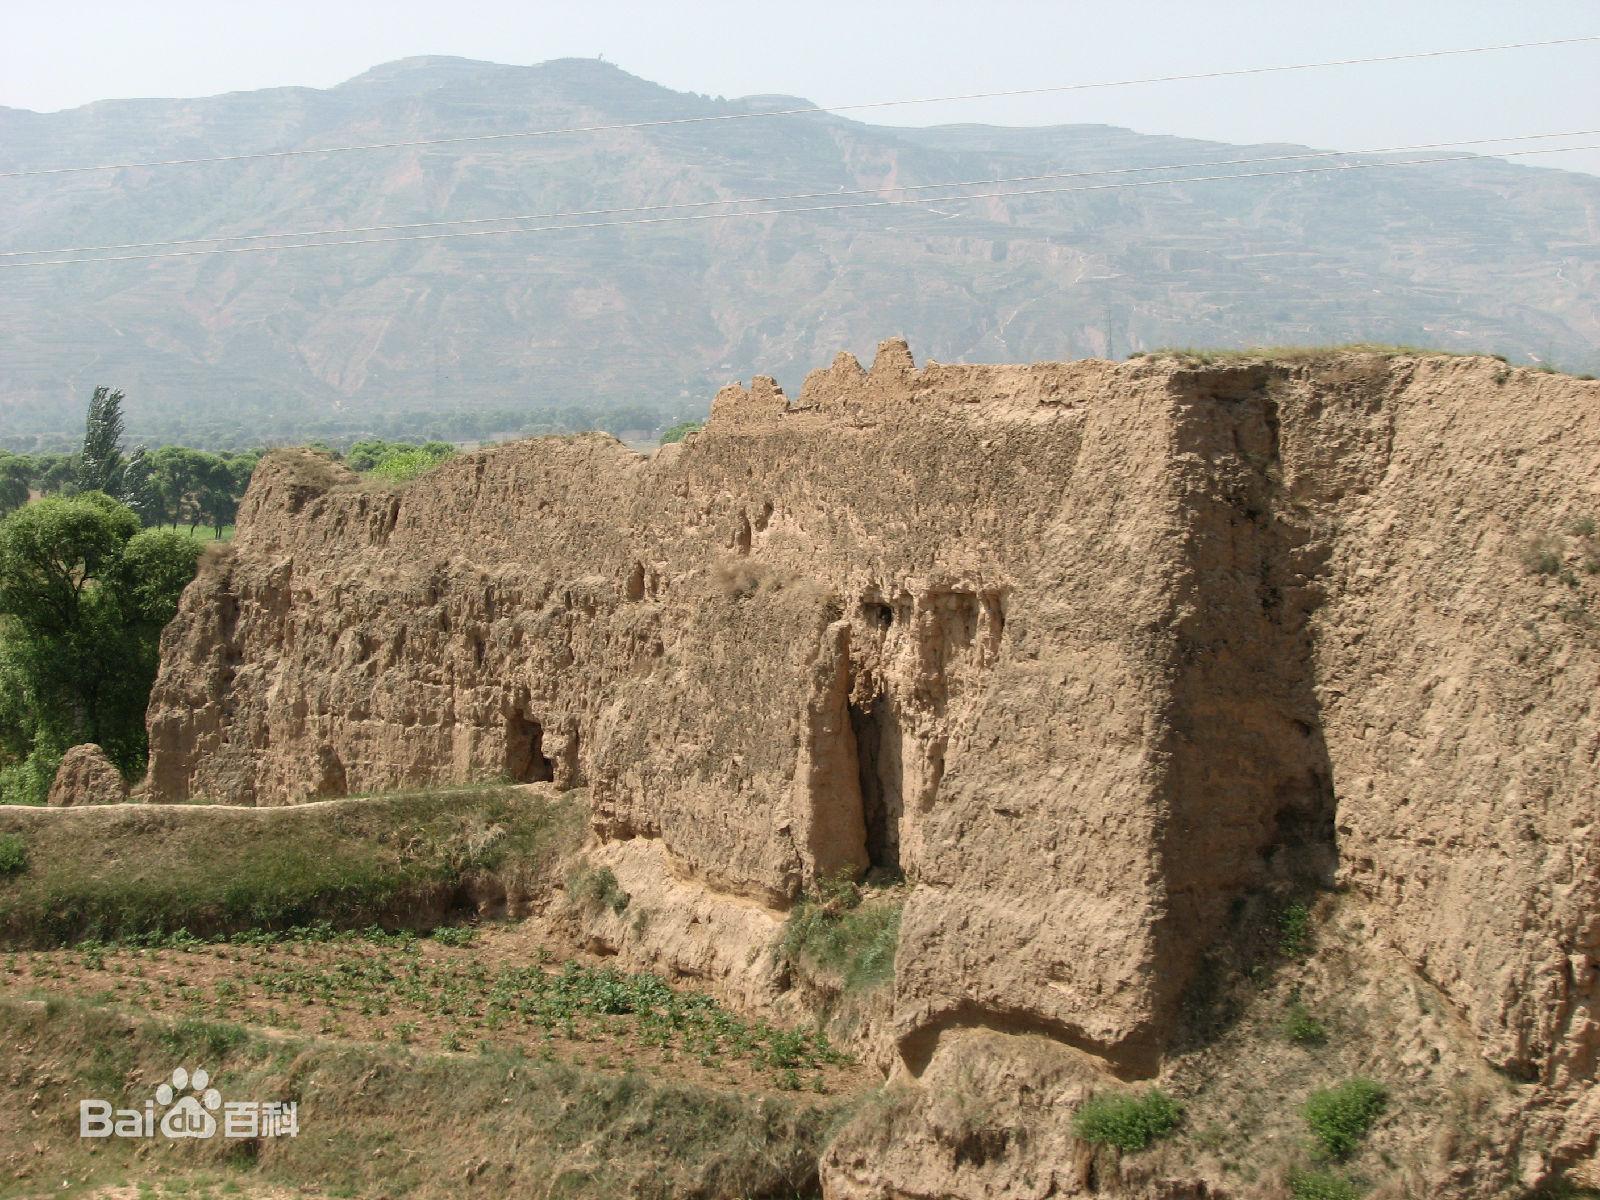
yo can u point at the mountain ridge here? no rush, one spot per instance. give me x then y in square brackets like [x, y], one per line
[641, 324]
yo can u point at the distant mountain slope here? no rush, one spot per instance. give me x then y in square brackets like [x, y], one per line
[551, 326]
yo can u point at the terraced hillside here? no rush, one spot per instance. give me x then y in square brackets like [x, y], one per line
[430, 1044]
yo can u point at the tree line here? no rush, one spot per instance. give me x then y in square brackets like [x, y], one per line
[243, 430]
[176, 486]
[92, 565]
[170, 486]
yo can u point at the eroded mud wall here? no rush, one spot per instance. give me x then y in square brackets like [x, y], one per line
[1086, 650]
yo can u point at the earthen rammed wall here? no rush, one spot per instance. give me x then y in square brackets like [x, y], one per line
[1086, 650]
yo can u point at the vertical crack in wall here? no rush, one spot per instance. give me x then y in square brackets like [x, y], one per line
[909, 654]
[880, 744]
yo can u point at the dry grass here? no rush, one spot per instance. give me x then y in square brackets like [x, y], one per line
[1213, 356]
[1210, 355]
[314, 469]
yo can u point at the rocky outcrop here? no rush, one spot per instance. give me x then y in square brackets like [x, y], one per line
[1090, 652]
[87, 776]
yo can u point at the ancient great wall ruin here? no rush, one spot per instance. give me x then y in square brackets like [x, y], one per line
[1091, 653]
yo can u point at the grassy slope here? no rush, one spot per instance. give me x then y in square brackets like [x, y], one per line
[398, 861]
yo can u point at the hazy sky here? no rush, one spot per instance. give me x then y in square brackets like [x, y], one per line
[67, 52]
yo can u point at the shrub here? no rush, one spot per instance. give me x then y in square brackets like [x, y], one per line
[1294, 930]
[396, 461]
[595, 888]
[833, 930]
[13, 855]
[1322, 1185]
[399, 465]
[1340, 1117]
[28, 782]
[1540, 555]
[1301, 1027]
[1127, 1122]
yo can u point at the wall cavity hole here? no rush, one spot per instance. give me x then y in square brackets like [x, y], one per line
[879, 749]
[525, 757]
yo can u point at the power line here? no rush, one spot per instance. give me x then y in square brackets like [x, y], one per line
[644, 208]
[807, 110]
[771, 212]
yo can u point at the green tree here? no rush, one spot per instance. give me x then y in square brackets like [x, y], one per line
[51, 551]
[681, 430]
[15, 481]
[217, 502]
[138, 487]
[100, 465]
[84, 595]
[177, 477]
[364, 455]
[54, 473]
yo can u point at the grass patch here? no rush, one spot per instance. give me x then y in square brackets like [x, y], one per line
[1300, 1027]
[1294, 931]
[1540, 555]
[1127, 1122]
[841, 930]
[1340, 1117]
[120, 872]
[1323, 1185]
[13, 855]
[207, 534]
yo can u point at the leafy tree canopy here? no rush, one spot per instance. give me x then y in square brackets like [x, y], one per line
[84, 595]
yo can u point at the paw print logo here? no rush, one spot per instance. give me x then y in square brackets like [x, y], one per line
[191, 1116]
